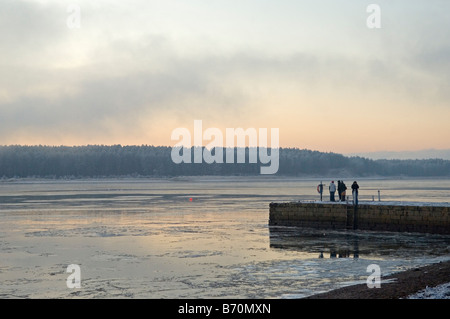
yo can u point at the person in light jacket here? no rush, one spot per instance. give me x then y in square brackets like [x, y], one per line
[332, 189]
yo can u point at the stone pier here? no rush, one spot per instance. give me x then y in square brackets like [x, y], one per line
[378, 216]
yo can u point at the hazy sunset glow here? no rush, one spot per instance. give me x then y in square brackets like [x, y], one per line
[131, 72]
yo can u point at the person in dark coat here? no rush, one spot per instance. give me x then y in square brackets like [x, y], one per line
[339, 189]
[355, 188]
[343, 189]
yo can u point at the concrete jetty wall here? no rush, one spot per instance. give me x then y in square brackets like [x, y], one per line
[371, 216]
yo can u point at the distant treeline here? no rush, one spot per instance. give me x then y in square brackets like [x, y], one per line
[117, 160]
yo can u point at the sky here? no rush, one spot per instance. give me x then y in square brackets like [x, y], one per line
[131, 72]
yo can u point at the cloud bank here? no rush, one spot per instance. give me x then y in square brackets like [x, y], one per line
[134, 71]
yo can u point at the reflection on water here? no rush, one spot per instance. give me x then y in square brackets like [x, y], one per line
[357, 243]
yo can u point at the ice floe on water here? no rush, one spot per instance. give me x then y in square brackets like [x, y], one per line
[148, 240]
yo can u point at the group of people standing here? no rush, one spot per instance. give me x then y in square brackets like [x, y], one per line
[341, 189]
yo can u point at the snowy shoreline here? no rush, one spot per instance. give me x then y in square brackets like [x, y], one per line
[439, 292]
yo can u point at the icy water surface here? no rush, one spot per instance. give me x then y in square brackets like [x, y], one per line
[193, 238]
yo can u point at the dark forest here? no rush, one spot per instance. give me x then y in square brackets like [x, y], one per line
[114, 161]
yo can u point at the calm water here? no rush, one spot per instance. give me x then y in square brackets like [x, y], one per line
[146, 238]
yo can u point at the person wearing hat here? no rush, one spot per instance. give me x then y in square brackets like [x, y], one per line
[332, 189]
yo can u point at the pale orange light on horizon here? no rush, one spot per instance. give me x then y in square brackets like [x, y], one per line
[340, 122]
[345, 134]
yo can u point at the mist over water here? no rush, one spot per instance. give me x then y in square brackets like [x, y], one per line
[194, 238]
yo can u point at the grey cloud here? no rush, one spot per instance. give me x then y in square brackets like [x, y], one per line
[124, 97]
[125, 79]
[28, 29]
[187, 85]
